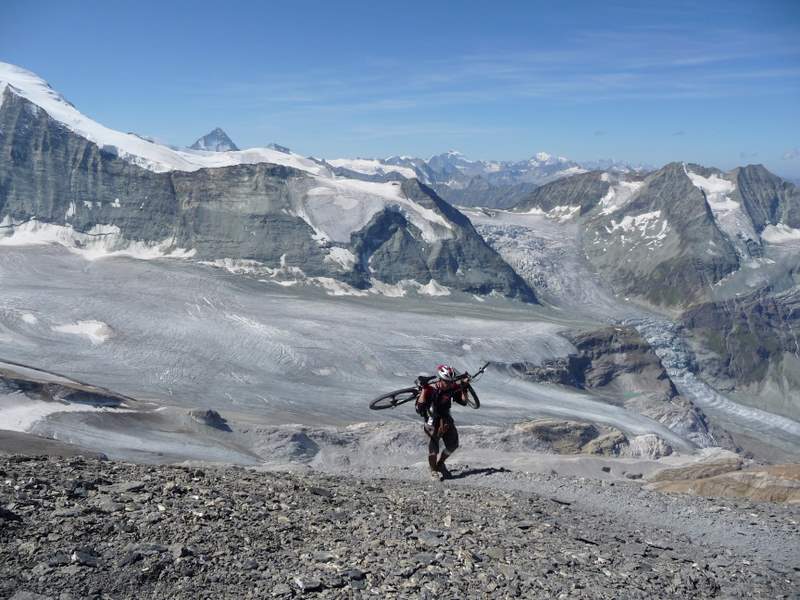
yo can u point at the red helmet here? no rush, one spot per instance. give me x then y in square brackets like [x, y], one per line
[446, 372]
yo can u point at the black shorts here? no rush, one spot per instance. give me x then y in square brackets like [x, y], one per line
[446, 431]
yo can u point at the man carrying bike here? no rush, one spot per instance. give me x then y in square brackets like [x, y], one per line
[434, 405]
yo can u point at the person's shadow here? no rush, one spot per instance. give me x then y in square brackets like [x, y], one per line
[481, 471]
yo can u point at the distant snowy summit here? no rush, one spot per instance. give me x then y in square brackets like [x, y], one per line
[215, 141]
[466, 182]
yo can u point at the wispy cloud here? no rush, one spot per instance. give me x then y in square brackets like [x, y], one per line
[792, 154]
[661, 64]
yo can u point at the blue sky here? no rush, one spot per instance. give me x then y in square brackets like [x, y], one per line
[712, 82]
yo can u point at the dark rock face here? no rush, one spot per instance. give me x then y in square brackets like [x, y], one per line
[480, 192]
[215, 141]
[608, 358]
[767, 198]
[753, 345]
[621, 366]
[670, 251]
[584, 190]
[239, 212]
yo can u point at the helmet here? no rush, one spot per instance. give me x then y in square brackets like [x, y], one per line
[446, 372]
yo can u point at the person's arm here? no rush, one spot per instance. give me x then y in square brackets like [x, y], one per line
[461, 394]
[423, 402]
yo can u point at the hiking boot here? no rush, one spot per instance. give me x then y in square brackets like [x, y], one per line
[444, 472]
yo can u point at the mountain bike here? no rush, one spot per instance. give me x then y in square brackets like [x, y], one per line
[398, 397]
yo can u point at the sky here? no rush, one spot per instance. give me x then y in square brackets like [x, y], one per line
[717, 83]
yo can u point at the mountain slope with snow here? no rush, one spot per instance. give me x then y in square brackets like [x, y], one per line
[137, 150]
[491, 184]
[284, 214]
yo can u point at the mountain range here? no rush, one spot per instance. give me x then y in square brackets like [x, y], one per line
[716, 252]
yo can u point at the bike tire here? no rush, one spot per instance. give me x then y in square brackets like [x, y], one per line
[395, 398]
[472, 397]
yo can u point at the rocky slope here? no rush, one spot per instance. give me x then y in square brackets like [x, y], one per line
[568, 197]
[78, 528]
[621, 366]
[749, 345]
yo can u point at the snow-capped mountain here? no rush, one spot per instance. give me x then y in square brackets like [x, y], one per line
[99, 191]
[215, 141]
[493, 184]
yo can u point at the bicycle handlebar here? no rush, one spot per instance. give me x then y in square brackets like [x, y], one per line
[474, 375]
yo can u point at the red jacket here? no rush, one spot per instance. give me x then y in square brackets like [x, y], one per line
[436, 398]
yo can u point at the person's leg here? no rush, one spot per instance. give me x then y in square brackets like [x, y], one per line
[433, 451]
[450, 439]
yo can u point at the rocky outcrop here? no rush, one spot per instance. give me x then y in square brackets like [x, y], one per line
[253, 212]
[750, 344]
[701, 470]
[612, 359]
[775, 483]
[621, 366]
[570, 437]
[50, 387]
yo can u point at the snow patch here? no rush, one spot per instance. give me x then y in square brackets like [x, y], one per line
[732, 220]
[433, 288]
[29, 318]
[20, 413]
[369, 166]
[336, 208]
[619, 195]
[649, 226]
[391, 290]
[780, 234]
[334, 287]
[342, 257]
[101, 241]
[97, 331]
[563, 213]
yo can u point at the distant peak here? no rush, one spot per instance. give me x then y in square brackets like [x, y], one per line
[215, 141]
[279, 148]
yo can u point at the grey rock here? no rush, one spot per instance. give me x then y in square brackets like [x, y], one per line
[22, 595]
[84, 558]
[281, 589]
[308, 584]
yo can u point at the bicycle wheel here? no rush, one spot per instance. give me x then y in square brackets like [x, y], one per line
[394, 398]
[472, 397]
